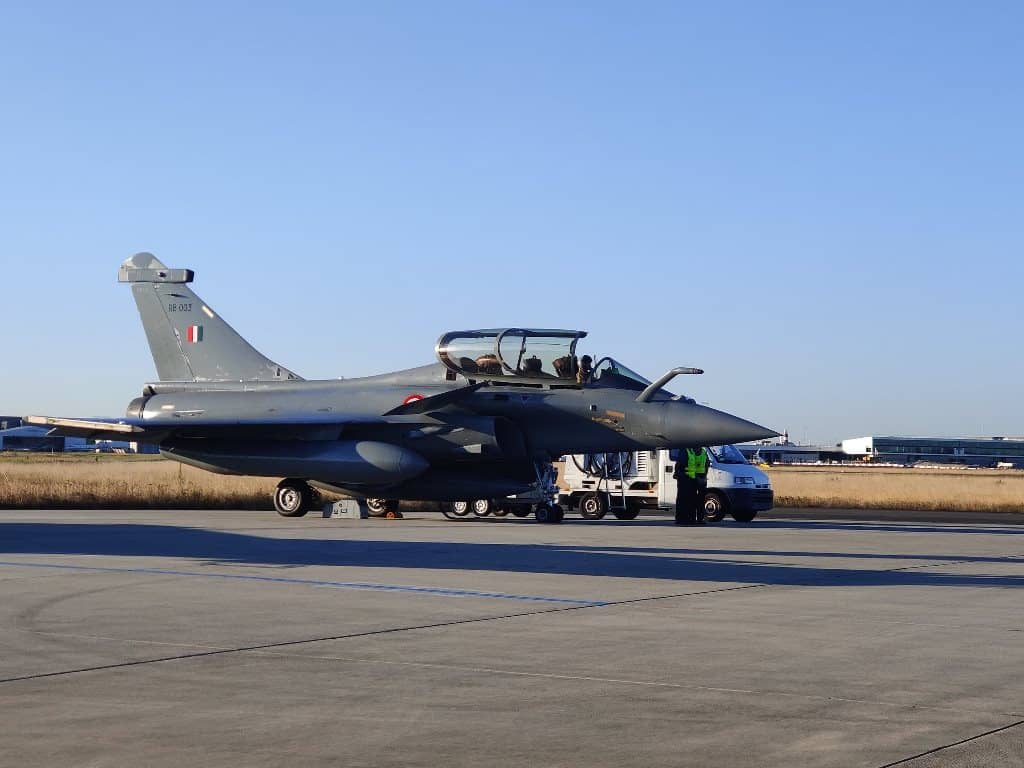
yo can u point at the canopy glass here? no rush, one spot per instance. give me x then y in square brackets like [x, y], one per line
[535, 356]
[532, 354]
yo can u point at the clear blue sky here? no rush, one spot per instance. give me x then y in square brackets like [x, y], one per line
[822, 204]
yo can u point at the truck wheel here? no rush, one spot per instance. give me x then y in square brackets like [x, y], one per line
[293, 498]
[499, 510]
[481, 507]
[520, 510]
[744, 517]
[458, 508]
[629, 513]
[715, 507]
[593, 506]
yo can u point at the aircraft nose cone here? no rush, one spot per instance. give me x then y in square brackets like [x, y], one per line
[688, 424]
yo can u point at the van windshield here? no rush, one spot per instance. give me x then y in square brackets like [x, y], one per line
[727, 454]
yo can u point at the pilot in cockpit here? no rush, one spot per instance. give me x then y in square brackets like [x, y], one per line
[585, 372]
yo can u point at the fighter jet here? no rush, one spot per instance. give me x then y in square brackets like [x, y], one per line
[483, 422]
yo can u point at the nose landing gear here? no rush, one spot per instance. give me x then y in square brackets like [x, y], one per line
[549, 513]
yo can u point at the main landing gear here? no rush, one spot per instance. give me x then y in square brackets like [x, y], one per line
[387, 508]
[294, 498]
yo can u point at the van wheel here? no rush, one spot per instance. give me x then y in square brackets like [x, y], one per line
[715, 507]
[743, 517]
[593, 506]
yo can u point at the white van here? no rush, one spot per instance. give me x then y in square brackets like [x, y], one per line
[625, 483]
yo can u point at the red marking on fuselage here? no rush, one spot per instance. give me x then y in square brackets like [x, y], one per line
[412, 399]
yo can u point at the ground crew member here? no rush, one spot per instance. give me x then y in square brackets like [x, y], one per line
[691, 474]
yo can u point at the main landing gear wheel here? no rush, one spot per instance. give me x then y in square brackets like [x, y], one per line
[549, 513]
[457, 509]
[743, 517]
[593, 506]
[520, 510]
[383, 507]
[294, 498]
[481, 507]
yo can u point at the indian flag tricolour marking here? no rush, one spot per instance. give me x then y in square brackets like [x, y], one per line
[194, 334]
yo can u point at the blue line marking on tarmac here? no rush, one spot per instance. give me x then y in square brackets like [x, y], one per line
[437, 591]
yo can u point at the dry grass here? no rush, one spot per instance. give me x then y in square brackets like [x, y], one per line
[147, 482]
[122, 482]
[971, 490]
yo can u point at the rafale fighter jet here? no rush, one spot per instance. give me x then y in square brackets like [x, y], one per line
[484, 421]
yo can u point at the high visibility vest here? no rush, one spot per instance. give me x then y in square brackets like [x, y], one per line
[696, 462]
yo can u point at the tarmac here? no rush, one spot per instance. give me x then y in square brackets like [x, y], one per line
[170, 638]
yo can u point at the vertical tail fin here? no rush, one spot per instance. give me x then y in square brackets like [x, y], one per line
[188, 340]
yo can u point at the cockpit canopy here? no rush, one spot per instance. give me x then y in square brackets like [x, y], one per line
[534, 356]
[527, 354]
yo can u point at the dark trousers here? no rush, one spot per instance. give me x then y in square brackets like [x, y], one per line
[689, 499]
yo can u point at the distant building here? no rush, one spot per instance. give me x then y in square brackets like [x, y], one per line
[789, 453]
[9, 422]
[28, 438]
[978, 452]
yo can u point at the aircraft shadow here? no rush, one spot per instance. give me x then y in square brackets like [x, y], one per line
[681, 564]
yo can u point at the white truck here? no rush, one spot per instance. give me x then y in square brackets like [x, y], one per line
[625, 483]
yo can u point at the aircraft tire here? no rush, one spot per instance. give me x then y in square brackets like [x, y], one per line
[715, 507]
[593, 506]
[458, 509]
[549, 513]
[747, 516]
[500, 510]
[293, 498]
[627, 514]
[481, 507]
[520, 510]
[380, 507]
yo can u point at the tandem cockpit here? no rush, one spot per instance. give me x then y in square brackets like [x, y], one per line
[542, 357]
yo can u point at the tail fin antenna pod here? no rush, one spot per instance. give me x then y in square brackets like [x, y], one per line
[189, 341]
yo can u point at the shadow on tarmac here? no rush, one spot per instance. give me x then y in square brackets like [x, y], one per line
[685, 564]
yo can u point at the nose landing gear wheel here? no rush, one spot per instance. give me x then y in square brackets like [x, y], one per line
[294, 498]
[549, 513]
